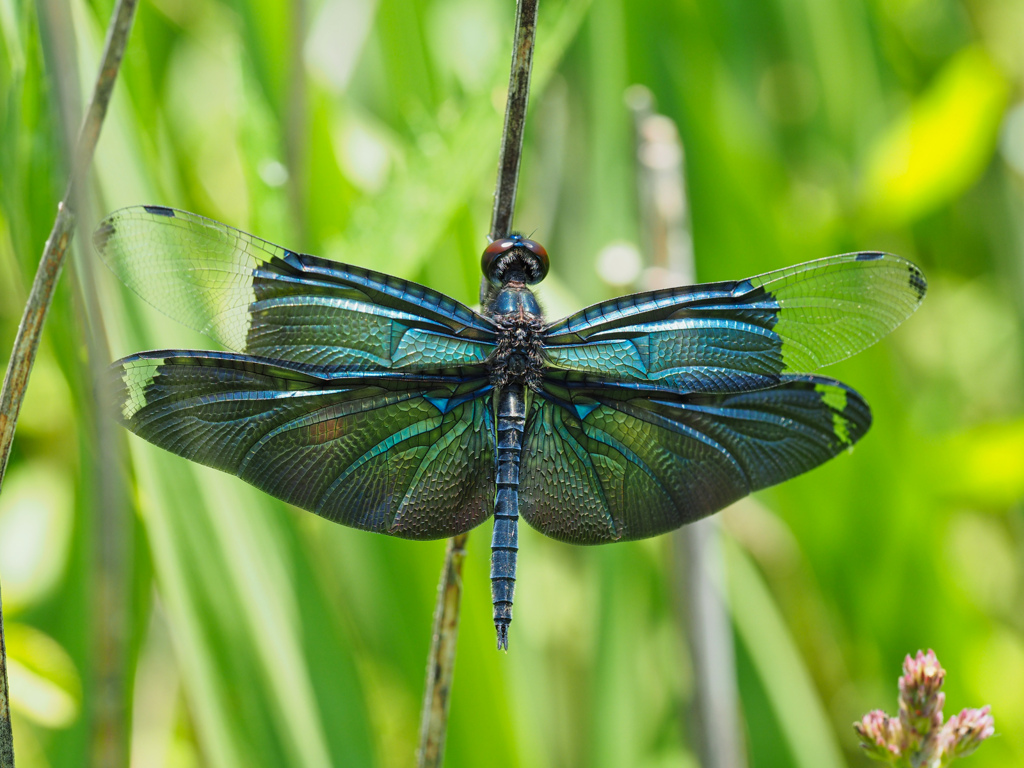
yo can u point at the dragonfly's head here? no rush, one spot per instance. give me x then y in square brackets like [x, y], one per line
[514, 258]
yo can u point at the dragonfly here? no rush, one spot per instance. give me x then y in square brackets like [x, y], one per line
[384, 405]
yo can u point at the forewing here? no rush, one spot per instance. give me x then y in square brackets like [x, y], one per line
[607, 463]
[407, 456]
[735, 336]
[261, 299]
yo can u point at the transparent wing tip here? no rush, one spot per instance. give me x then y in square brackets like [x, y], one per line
[915, 277]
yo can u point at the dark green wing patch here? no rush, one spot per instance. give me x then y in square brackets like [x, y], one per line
[613, 463]
[403, 455]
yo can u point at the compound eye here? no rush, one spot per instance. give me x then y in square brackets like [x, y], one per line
[543, 264]
[492, 253]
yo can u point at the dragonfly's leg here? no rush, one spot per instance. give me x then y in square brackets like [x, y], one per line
[505, 539]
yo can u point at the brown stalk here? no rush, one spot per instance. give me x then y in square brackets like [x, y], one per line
[26, 342]
[111, 541]
[515, 118]
[697, 548]
[434, 723]
[441, 662]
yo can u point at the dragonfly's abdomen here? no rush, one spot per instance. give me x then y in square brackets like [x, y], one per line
[505, 539]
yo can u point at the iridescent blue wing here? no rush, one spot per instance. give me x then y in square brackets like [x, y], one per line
[261, 299]
[401, 454]
[742, 335]
[612, 463]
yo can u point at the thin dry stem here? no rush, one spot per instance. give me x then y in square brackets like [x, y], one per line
[441, 662]
[515, 119]
[442, 655]
[111, 541]
[26, 343]
[6, 735]
[698, 555]
[700, 569]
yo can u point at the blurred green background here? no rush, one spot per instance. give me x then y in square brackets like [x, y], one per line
[254, 634]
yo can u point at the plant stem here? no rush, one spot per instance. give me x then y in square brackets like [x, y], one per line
[515, 118]
[111, 542]
[442, 654]
[26, 342]
[441, 662]
[6, 735]
[701, 571]
[697, 547]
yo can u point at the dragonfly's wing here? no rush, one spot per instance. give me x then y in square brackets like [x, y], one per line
[398, 454]
[261, 299]
[610, 463]
[736, 336]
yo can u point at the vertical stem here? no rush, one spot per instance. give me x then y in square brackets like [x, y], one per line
[113, 552]
[700, 569]
[26, 343]
[111, 538]
[441, 662]
[6, 735]
[698, 551]
[442, 654]
[515, 118]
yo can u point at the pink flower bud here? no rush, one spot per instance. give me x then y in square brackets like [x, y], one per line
[880, 735]
[917, 737]
[963, 733]
[921, 701]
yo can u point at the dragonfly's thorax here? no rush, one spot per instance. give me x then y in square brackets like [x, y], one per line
[519, 355]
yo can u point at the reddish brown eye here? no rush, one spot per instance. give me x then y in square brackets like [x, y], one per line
[541, 253]
[500, 246]
[512, 255]
[495, 250]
